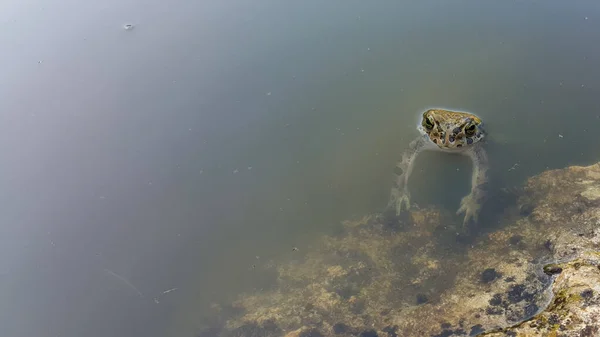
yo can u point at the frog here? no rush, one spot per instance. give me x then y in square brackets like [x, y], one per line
[455, 132]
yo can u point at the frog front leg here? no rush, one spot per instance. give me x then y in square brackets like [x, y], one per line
[400, 195]
[471, 204]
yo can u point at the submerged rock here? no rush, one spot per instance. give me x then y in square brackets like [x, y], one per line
[575, 307]
[422, 281]
[490, 275]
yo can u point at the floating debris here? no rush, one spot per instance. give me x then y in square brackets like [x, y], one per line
[124, 280]
[128, 26]
[156, 299]
[168, 291]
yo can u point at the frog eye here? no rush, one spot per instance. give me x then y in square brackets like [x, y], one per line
[470, 130]
[429, 123]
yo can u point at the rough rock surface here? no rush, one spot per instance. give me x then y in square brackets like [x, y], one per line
[381, 278]
[575, 307]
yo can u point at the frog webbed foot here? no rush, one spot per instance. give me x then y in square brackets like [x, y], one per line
[400, 200]
[470, 206]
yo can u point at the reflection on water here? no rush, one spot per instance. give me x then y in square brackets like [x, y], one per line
[213, 138]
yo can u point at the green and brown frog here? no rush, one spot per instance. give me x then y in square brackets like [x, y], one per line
[452, 132]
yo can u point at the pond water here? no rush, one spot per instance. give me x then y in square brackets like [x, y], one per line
[209, 137]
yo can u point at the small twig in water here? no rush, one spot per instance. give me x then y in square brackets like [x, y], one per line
[156, 299]
[514, 167]
[125, 281]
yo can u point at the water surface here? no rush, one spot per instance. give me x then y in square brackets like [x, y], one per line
[175, 153]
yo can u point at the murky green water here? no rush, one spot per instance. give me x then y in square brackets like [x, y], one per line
[176, 153]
